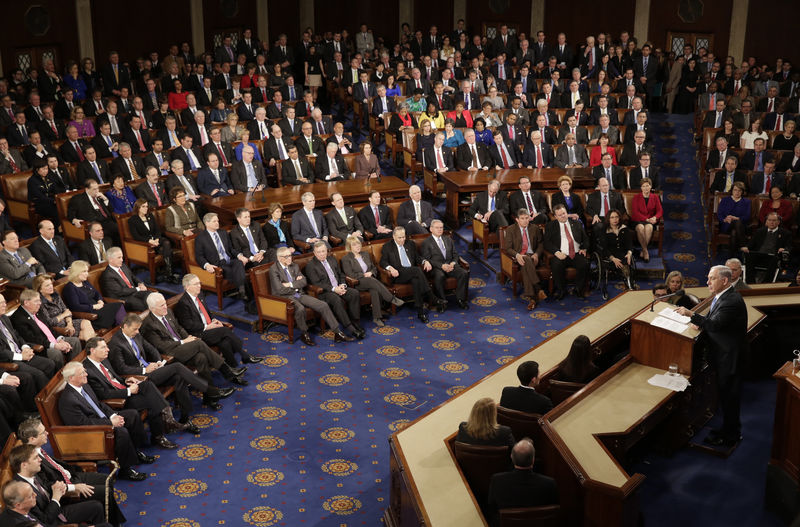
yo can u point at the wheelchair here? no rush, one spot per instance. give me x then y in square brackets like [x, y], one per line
[600, 269]
[761, 268]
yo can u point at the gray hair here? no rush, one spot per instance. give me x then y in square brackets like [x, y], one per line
[722, 272]
[153, 299]
[307, 196]
[113, 252]
[187, 279]
[70, 370]
[208, 216]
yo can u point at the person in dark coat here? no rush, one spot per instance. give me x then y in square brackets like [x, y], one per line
[525, 398]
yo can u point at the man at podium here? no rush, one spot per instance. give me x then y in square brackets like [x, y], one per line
[725, 325]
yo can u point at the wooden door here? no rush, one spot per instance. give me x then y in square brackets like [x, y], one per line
[676, 40]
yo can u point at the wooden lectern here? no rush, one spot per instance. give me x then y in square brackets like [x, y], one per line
[658, 347]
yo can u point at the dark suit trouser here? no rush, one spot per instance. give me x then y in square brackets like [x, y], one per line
[233, 272]
[128, 438]
[98, 483]
[497, 220]
[40, 369]
[413, 228]
[377, 292]
[756, 260]
[150, 399]
[137, 301]
[90, 512]
[10, 409]
[179, 376]
[729, 388]
[227, 341]
[346, 307]
[559, 269]
[111, 230]
[416, 277]
[462, 281]
[304, 301]
[199, 356]
[59, 358]
[530, 277]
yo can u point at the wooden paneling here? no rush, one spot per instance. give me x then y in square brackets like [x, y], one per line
[216, 19]
[780, 28]
[382, 17]
[589, 19]
[60, 34]
[153, 25]
[715, 18]
[516, 12]
[284, 17]
[427, 13]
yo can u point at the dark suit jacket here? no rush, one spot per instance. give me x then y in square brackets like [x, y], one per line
[239, 242]
[52, 262]
[302, 229]
[322, 168]
[713, 161]
[757, 182]
[431, 252]
[748, 161]
[130, 137]
[5, 351]
[239, 175]
[718, 184]
[481, 203]
[529, 155]
[124, 359]
[205, 251]
[289, 130]
[726, 329]
[516, 201]
[390, 255]
[519, 488]
[271, 148]
[156, 334]
[464, 156]
[289, 175]
[617, 176]
[514, 245]
[784, 238]
[317, 275]
[368, 218]
[255, 129]
[338, 228]
[514, 155]
[102, 148]
[81, 207]
[207, 183]
[145, 191]
[28, 329]
[112, 285]
[406, 213]
[303, 149]
[635, 176]
[271, 233]
[525, 399]
[180, 153]
[594, 204]
[552, 235]
[87, 252]
[85, 171]
[429, 158]
[186, 311]
[173, 181]
[120, 166]
[68, 152]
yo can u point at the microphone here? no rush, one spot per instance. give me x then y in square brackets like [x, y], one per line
[679, 292]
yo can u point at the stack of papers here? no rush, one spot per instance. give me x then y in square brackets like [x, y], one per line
[676, 383]
[670, 320]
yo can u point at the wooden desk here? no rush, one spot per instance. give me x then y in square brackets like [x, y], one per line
[783, 471]
[353, 190]
[463, 181]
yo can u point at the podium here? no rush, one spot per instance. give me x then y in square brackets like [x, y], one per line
[783, 472]
[659, 347]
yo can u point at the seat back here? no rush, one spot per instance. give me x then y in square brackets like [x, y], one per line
[47, 401]
[15, 191]
[6, 474]
[479, 463]
[563, 390]
[94, 275]
[546, 516]
[522, 424]
[70, 231]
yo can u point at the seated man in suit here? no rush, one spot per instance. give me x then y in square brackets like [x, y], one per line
[523, 243]
[249, 240]
[323, 271]
[525, 398]
[342, 220]
[192, 157]
[195, 317]
[51, 250]
[213, 249]
[405, 265]
[533, 201]
[415, 214]
[537, 154]
[213, 179]
[118, 281]
[17, 265]
[92, 167]
[131, 354]
[439, 159]
[26, 464]
[93, 248]
[308, 224]
[92, 206]
[308, 143]
[440, 252]
[769, 244]
[505, 154]
[287, 281]
[178, 178]
[566, 240]
[296, 169]
[602, 201]
[631, 151]
[754, 159]
[571, 155]
[613, 173]
[763, 181]
[152, 190]
[79, 406]
[512, 131]
[491, 206]
[247, 175]
[138, 395]
[80, 485]
[33, 370]
[11, 161]
[472, 155]
[724, 179]
[644, 170]
[217, 146]
[572, 127]
[605, 127]
[376, 217]
[521, 487]
[331, 166]
[20, 503]
[276, 147]
[59, 349]
[127, 164]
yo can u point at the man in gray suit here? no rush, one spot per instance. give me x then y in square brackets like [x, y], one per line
[571, 155]
[415, 215]
[342, 220]
[440, 251]
[11, 161]
[308, 224]
[605, 128]
[17, 265]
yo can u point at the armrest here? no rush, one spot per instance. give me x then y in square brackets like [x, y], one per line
[386, 278]
[37, 348]
[227, 325]
[368, 235]
[59, 330]
[334, 240]
[167, 358]
[116, 404]
[314, 290]
[138, 377]
[176, 238]
[109, 300]
[9, 366]
[464, 264]
[351, 282]
[87, 316]
[302, 245]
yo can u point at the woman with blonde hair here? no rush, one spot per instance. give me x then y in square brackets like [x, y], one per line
[481, 427]
[54, 313]
[81, 296]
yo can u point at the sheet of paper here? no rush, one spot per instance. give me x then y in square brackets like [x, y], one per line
[670, 325]
[676, 383]
[670, 313]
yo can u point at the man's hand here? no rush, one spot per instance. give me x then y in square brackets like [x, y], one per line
[188, 232]
[32, 261]
[134, 388]
[215, 324]
[448, 267]
[683, 311]
[84, 490]
[59, 488]
[210, 268]
[340, 289]
[76, 222]
[595, 219]
[426, 266]
[393, 272]
[63, 346]
[11, 380]
[520, 259]
[242, 258]
[141, 287]
[560, 255]
[117, 421]
[27, 353]
[258, 257]
[190, 338]
[153, 366]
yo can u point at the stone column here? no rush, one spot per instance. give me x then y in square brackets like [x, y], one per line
[198, 30]
[83, 15]
[738, 29]
[641, 20]
[262, 20]
[406, 8]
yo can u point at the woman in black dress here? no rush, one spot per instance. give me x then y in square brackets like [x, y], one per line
[313, 68]
[80, 296]
[144, 228]
[277, 231]
[616, 247]
[579, 365]
[482, 429]
[687, 89]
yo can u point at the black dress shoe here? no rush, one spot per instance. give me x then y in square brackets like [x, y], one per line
[144, 458]
[720, 440]
[307, 340]
[239, 381]
[341, 337]
[251, 359]
[223, 393]
[559, 295]
[163, 442]
[131, 474]
[463, 304]
[358, 332]
[422, 317]
[237, 372]
[191, 428]
[212, 403]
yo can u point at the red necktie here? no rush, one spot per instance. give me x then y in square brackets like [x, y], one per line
[58, 467]
[102, 210]
[114, 383]
[377, 217]
[53, 126]
[440, 102]
[222, 154]
[155, 193]
[530, 203]
[440, 159]
[11, 162]
[539, 160]
[202, 309]
[125, 278]
[769, 106]
[144, 124]
[524, 248]
[605, 205]
[80, 152]
[263, 94]
[503, 154]
[767, 184]
[141, 143]
[779, 123]
[569, 241]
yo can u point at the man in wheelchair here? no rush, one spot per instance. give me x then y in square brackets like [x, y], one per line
[767, 252]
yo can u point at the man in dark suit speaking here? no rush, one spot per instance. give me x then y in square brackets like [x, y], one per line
[725, 325]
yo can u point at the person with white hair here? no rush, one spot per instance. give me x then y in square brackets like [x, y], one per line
[415, 214]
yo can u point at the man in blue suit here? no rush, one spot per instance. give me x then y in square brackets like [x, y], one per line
[308, 224]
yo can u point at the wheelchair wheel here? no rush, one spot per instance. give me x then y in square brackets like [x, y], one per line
[595, 271]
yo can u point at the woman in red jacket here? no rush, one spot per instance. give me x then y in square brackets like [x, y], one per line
[645, 212]
[777, 204]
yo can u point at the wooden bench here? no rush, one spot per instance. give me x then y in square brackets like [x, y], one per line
[15, 191]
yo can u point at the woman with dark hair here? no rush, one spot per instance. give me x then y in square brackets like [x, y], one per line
[579, 365]
[161, 114]
[367, 165]
[313, 69]
[728, 131]
[144, 228]
[481, 427]
[219, 113]
[687, 88]
[646, 211]
[616, 246]
[358, 264]
[181, 217]
[392, 88]
[461, 118]
[120, 196]
[277, 231]
[177, 98]
[482, 134]
[733, 213]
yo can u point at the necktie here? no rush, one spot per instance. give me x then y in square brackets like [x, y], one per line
[491, 204]
[138, 353]
[291, 93]
[713, 303]
[281, 150]
[11, 342]
[52, 246]
[377, 217]
[167, 325]
[203, 136]
[79, 151]
[442, 247]
[320, 130]
[59, 468]
[331, 275]
[14, 167]
[313, 223]
[439, 159]
[539, 159]
[53, 127]
[220, 248]
[289, 276]
[758, 165]
[124, 278]
[140, 141]
[44, 328]
[334, 170]
[404, 261]
[24, 133]
[116, 384]
[192, 164]
[769, 105]
[570, 243]
[116, 73]
[203, 311]
[605, 205]
[297, 171]
[19, 259]
[524, 248]
[91, 402]
[417, 212]
[250, 241]
[571, 156]
[503, 154]
[778, 122]
[475, 161]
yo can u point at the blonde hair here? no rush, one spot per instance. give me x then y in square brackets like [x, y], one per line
[77, 267]
[350, 240]
[482, 422]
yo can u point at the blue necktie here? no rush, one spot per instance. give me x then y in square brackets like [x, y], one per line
[404, 261]
[253, 249]
[289, 276]
[491, 204]
[221, 248]
[109, 143]
[19, 259]
[139, 354]
[191, 160]
[713, 303]
[94, 406]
